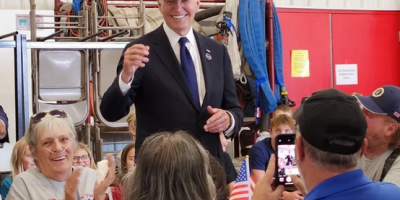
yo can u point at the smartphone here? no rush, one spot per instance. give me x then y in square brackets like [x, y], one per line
[286, 163]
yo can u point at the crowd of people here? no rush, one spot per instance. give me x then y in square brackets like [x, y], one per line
[186, 113]
[333, 136]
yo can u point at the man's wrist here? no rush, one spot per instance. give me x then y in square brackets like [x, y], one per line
[126, 79]
[229, 132]
[230, 120]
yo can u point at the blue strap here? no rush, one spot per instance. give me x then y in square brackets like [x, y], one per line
[230, 25]
[252, 33]
[278, 56]
[258, 83]
[76, 4]
[262, 38]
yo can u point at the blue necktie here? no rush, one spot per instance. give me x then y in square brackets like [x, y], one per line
[188, 69]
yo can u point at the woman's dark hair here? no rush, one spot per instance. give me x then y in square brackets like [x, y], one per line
[219, 177]
[123, 170]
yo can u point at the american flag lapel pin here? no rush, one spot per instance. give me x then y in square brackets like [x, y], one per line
[208, 55]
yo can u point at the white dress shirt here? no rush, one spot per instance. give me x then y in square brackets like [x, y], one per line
[191, 45]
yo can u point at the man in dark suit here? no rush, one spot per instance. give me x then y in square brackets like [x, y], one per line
[3, 126]
[178, 80]
[281, 170]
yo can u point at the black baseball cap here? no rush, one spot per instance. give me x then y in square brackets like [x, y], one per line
[332, 114]
[384, 101]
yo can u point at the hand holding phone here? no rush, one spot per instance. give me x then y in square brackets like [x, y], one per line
[286, 163]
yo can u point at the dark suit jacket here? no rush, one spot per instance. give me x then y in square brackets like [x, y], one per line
[162, 97]
[3, 116]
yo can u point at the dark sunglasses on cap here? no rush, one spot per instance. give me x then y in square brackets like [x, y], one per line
[39, 116]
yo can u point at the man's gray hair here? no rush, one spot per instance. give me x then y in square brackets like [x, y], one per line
[332, 161]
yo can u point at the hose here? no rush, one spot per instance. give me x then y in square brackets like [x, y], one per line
[252, 30]
[207, 13]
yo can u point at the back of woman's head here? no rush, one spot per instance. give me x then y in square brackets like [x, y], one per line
[171, 166]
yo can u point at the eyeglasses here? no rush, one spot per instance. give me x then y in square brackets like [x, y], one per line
[39, 116]
[173, 2]
[83, 158]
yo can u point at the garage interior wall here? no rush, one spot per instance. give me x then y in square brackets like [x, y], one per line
[363, 32]
[369, 39]
[320, 4]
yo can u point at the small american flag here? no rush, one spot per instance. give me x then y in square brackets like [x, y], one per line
[396, 114]
[244, 186]
[258, 112]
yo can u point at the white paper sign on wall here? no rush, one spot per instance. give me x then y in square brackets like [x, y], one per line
[346, 74]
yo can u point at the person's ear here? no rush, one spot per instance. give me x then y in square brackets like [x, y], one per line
[159, 5]
[391, 128]
[364, 147]
[299, 149]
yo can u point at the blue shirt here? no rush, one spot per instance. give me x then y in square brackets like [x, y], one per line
[353, 185]
[260, 153]
[5, 187]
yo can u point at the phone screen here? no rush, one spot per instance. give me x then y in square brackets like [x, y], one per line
[286, 164]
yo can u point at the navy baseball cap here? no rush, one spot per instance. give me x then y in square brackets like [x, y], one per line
[329, 115]
[384, 101]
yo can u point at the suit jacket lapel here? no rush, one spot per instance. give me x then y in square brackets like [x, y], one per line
[165, 52]
[207, 69]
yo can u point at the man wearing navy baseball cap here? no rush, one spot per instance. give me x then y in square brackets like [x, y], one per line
[329, 147]
[381, 161]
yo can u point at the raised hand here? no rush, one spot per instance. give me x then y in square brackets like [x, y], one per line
[134, 57]
[71, 185]
[263, 189]
[100, 189]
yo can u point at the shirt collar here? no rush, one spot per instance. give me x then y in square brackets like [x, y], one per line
[337, 184]
[174, 37]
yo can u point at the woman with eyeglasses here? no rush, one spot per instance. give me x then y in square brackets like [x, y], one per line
[21, 160]
[83, 157]
[51, 138]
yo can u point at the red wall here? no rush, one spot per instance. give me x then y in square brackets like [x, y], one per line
[306, 31]
[369, 39]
